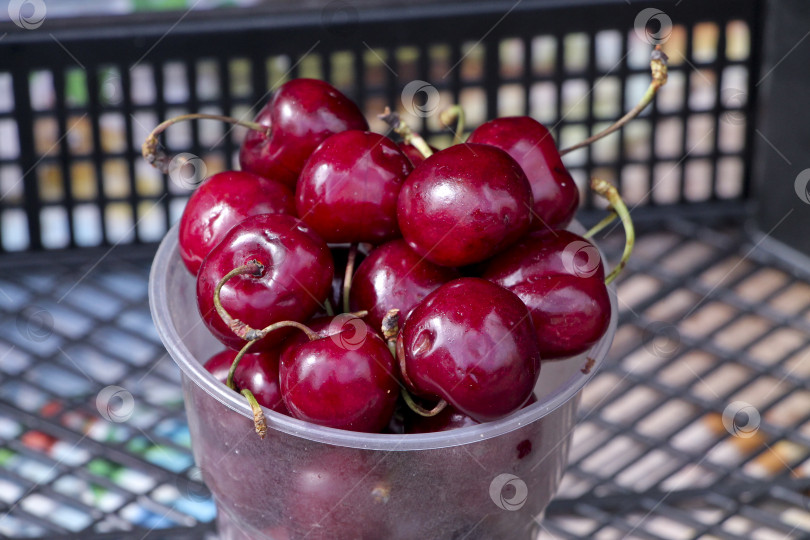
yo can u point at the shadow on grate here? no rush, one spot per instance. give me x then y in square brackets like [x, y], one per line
[699, 426]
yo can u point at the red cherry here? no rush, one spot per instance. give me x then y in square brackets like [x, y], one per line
[257, 372]
[302, 113]
[464, 204]
[221, 202]
[296, 279]
[413, 154]
[556, 197]
[471, 343]
[394, 276]
[347, 191]
[346, 380]
[560, 277]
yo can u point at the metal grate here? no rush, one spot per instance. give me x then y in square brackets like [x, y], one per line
[707, 320]
[80, 97]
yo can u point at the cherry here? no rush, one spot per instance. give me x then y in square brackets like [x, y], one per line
[394, 276]
[471, 343]
[295, 279]
[464, 204]
[556, 197]
[413, 154]
[346, 379]
[222, 201]
[258, 372]
[448, 419]
[560, 277]
[348, 188]
[301, 114]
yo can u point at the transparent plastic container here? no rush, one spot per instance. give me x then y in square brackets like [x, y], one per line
[310, 482]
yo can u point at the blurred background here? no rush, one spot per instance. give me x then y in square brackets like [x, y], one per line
[699, 424]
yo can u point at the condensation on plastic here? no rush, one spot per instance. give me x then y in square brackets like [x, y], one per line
[308, 481]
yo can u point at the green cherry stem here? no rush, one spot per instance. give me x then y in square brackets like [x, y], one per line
[401, 128]
[259, 422]
[607, 220]
[160, 160]
[454, 114]
[658, 67]
[609, 192]
[347, 277]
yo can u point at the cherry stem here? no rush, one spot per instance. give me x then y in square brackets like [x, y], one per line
[347, 276]
[418, 409]
[390, 330]
[327, 306]
[235, 364]
[401, 128]
[160, 160]
[454, 114]
[601, 225]
[259, 421]
[241, 329]
[609, 192]
[658, 67]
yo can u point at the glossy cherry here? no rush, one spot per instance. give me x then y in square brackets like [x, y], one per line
[560, 277]
[257, 372]
[222, 201]
[471, 343]
[296, 279]
[348, 188]
[464, 204]
[394, 276]
[555, 194]
[302, 113]
[346, 380]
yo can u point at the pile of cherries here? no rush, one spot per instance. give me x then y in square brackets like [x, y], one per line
[379, 286]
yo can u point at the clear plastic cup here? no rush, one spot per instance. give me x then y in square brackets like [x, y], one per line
[305, 481]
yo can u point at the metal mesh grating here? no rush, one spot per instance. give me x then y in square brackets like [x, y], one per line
[80, 99]
[707, 320]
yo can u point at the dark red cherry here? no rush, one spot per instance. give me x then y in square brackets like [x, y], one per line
[471, 343]
[346, 380]
[302, 113]
[394, 276]
[556, 197]
[221, 202]
[560, 277]
[347, 191]
[257, 372]
[448, 419]
[464, 204]
[297, 277]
